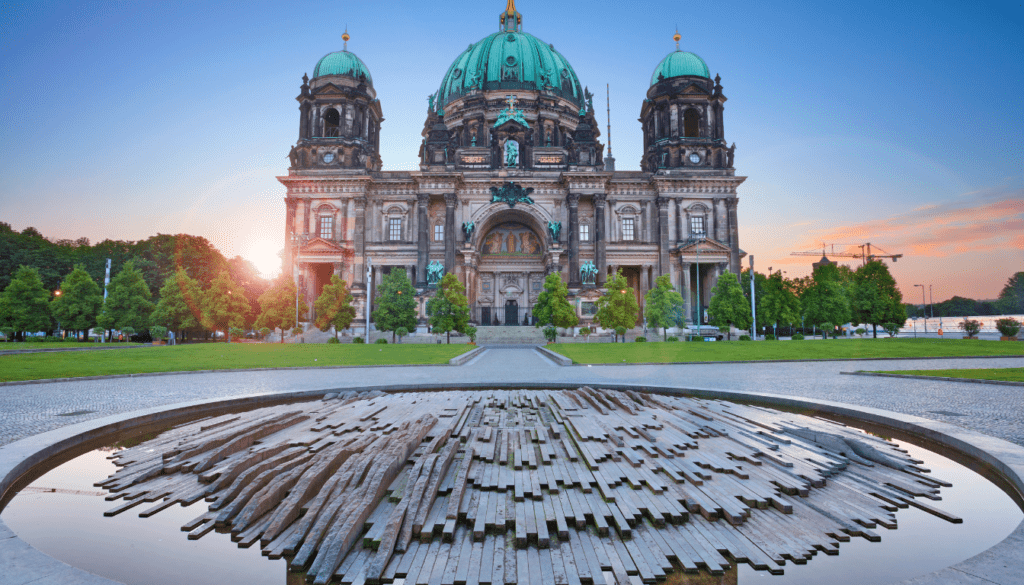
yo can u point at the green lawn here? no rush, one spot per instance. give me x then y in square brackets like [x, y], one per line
[218, 356]
[721, 351]
[26, 345]
[1004, 374]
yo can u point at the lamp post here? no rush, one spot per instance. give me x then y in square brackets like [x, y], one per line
[369, 294]
[296, 239]
[924, 308]
[700, 309]
[57, 293]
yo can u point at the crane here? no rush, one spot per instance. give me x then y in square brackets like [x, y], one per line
[866, 255]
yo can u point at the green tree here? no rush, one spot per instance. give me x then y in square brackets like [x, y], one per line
[79, 302]
[180, 303]
[334, 306]
[224, 305]
[617, 307]
[553, 306]
[448, 309]
[127, 303]
[663, 305]
[874, 298]
[396, 305]
[1011, 298]
[825, 300]
[777, 302]
[25, 304]
[729, 307]
[277, 306]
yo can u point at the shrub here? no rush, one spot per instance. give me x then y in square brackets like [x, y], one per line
[265, 332]
[381, 341]
[298, 330]
[769, 337]
[584, 331]
[892, 328]
[672, 338]
[744, 338]
[970, 326]
[550, 333]
[1008, 327]
[333, 340]
[798, 336]
[158, 332]
[358, 340]
[471, 333]
[237, 332]
[621, 332]
[860, 331]
[826, 329]
[401, 332]
[640, 339]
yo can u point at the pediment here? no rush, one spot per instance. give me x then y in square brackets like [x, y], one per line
[329, 89]
[694, 89]
[321, 246]
[706, 247]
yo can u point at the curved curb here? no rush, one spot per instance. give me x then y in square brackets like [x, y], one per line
[1000, 564]
[465, 357]
[942, 378]
[554, 356]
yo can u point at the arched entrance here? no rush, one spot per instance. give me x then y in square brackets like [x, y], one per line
[510, 270]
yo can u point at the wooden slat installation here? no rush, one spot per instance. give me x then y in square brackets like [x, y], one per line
[577, 487]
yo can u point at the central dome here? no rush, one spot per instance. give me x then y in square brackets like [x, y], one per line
[510, 60]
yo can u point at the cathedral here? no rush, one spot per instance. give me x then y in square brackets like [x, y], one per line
[513, 183]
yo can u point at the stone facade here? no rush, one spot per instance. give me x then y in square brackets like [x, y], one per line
[676, 216]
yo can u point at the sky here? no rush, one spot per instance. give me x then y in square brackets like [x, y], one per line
[898, 124]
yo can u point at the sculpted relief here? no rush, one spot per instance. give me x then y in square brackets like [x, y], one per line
[511, 239]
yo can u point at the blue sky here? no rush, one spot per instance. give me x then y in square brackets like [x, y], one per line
[898, 124]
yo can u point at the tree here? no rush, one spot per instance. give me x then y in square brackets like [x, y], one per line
[729, 307]
[224, 305]
[874, 298]
[777, 302]
[825, 300]
[79, 302]
[617, 307]
[25, 303]
[277, 306]
[1011, 298]
[396, 305]
[334, 307]
[127, 303]
[553, 306]
[448, 309]
[180, 302]
[663, 305]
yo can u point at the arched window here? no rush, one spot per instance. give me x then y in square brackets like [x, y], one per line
[331, 120]
[691, 123]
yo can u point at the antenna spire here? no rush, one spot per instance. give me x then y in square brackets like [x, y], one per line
[608, 105]
[345, 38]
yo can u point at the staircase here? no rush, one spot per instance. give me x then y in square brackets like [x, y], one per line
[511, 335]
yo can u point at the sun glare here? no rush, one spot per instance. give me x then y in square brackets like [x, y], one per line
[264, 255]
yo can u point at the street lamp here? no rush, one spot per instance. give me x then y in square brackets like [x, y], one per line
[700, 239]
[57, 293]
[924, 308]
[296, 239]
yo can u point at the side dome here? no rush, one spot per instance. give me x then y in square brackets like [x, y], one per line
[678, 64]
[510, 60]
[342, 63]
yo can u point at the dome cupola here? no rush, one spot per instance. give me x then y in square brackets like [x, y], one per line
[342, 63]
[680, 63]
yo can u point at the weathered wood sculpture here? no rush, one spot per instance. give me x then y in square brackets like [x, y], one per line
[503, 487]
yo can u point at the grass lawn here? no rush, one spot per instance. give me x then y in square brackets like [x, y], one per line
[721, 351]
[25, 345]
[1004, 374]
[218, 356]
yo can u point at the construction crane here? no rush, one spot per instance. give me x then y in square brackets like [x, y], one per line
[866, 254]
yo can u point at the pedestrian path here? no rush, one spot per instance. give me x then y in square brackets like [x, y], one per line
[994, 410]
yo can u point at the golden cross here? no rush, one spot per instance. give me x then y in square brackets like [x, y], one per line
[511, 102]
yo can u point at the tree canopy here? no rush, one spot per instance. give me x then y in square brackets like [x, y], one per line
[825, 300]
[448, 309]
[277, 306]
[663, 305]
[729, 307]
[1011, 298]
[224, 305]
[127, 303]
[79, 302]
[777, 303]
[25, 304]
[553, 306]
[181, 302]
[618, 306]
[334, 306]
[874, 297]
[396, 305]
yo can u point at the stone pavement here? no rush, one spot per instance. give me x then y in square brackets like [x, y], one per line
[994, 410]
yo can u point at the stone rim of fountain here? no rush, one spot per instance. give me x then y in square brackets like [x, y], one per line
[1003, 459]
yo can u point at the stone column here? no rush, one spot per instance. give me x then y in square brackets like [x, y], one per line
[687, 294]
[450, 199]
[734, 237]
[360, 244]
[573, 200]
[721, 231]
[304, 120]
[663, 258]
[422, 243]
[645, 279]
[600, 238]
[304, 210]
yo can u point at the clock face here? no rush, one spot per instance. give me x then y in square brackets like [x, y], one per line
[329, 157]
[694, 158]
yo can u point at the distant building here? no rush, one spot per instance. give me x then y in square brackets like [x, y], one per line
[512, 183]
[823, 262]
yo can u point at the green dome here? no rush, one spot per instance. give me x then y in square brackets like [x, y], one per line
[342, 63]
[680, 63]
[510, 60]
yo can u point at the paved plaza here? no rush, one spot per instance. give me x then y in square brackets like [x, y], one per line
[27, 409]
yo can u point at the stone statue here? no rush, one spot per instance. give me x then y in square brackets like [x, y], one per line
[588, 272]
[435, 270]
[293, 156]
[511, 153]
[732, 151]
[555, 228]
[467, 228]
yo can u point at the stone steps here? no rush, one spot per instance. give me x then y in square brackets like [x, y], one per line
[524, 335]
